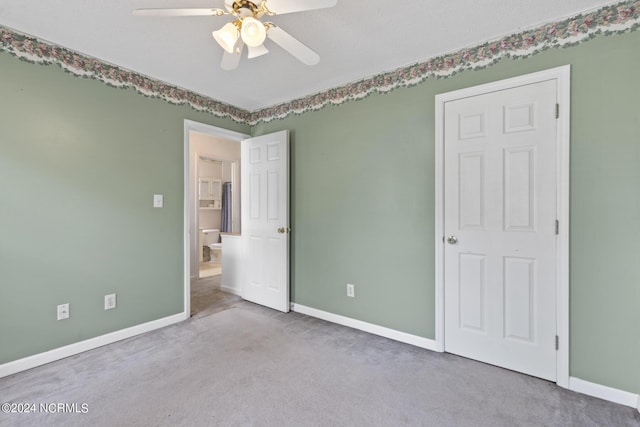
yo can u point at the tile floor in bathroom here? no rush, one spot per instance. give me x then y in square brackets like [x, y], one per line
[208, 269]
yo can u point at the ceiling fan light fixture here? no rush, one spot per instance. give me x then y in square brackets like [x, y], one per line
[253, 32]
[227, 37]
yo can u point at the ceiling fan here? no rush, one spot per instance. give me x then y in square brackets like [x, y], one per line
[247, 29]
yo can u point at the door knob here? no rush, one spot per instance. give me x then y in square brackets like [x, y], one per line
[452, 240]
[283, 230]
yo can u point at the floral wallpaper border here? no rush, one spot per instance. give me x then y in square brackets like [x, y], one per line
[37, 51]
[613, 19]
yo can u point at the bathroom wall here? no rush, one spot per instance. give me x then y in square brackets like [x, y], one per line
[210, 218]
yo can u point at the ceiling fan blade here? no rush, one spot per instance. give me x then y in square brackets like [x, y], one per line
[178, 12]
[280, 7]
[230, 61]
[254, 52]
[293, 46]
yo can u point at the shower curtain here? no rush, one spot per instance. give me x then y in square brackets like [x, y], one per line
[226, 208]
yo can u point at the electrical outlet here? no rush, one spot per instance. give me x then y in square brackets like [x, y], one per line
[63, 311]
[158, 200]
[351, 290]
[109, 301]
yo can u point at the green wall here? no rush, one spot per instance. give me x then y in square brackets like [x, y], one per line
[79, 164]
[363, 204]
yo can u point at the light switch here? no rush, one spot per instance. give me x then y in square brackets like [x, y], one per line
[158, 200]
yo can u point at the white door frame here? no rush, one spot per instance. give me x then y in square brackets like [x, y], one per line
[562, 76]
[190, 125]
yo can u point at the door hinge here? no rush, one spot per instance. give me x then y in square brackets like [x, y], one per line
[557, 342]
[557, 227]
[557, 111]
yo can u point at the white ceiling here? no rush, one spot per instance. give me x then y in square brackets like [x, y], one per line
[355, 39]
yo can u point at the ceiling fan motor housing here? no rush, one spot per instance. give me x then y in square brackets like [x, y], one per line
[245, 8]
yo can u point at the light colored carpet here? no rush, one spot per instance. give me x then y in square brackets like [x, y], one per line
[238, 364]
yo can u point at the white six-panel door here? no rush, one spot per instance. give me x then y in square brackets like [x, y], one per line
[265, 220]
[500, 228]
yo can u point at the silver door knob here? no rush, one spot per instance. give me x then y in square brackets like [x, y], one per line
[283, 230]
[452, 240]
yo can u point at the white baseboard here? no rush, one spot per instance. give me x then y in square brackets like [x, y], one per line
[29, 362]
[404, 337]
[231, 290]
[603, 392]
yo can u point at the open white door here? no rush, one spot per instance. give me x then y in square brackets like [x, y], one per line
[265, 220]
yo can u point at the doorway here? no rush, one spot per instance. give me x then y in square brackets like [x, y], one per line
[257, 263]
[502, 223]
[210, 161]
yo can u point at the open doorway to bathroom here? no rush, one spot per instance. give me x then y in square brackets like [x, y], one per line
[216, 213]
[216, 199]
[212, 182]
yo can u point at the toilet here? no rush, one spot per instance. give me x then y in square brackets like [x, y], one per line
[210, 238]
